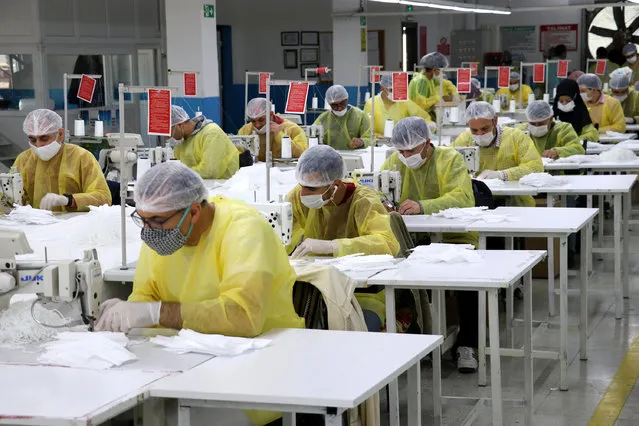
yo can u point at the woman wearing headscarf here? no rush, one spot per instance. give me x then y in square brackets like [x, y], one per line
[569, 107]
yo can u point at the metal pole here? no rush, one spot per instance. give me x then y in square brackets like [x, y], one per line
[123, 182]
[485, 83]
[373, 124]
[66, 108]
[246, 76]
[440, 107]
[269, 155]
[305, 80]
[521, 85]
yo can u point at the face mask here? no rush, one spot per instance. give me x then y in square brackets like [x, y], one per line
[566, 107]
[415, 161]
[174, 142]
[538, 131]
[621, 98]
[484, 140]
[632, 60]
[261, 131]
[585, 96]
[514, 87]
[316, 201]
[341, 113]
[47, 152]
[166, 241]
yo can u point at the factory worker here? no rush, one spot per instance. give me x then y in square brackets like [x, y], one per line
[333, 217]
[484, 94]
[504, 153]
[424, 88]
[552, 139]
[620, 90]
[604, 110]
[256, 111]
[602, 53]
[58, 176]
[345, 126]
[630, 52]
[569, 107]
[386, 109]
[516, 90]
[203, 146]
[434, 179]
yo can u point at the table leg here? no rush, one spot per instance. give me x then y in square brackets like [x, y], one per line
[583, 311]
[495, 360]
[617, 237]
[154, 412]
[391, 327]
[332, 420]
[184, 415]
[528, 347]
[288, 419]
[563, 312]
[481, 337]
[588, 252]
[510, 296]
[437, 361]
[551, 268]
[625, 264]
[414, 395]
[600, 232]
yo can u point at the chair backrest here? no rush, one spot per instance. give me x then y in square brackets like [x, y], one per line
[398, 226]
[114, 188]
[309, 304]
[246, 159]
[483, 195]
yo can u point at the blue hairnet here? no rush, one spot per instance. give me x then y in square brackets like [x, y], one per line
[178, 115]
[433, 60]
[621, 78]
[41, 122]
[410, 132]
[257, 107]
[538, 111]
[320, 166]
[386, 81]
[336, 93]
[515, 76]
[169, 186]
[480, 110]
[629, 48]
[590, 81]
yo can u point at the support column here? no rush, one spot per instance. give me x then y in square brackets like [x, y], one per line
[191, 45]
[349, 51]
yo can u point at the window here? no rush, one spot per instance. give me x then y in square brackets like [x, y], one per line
[16, 80]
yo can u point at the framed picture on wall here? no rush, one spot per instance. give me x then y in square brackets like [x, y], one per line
[290, 59]
[309, 55]
[310, 38]
[290, 38]
[304, 67]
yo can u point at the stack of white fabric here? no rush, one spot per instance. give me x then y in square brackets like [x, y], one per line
[542, 180]
[211, 344]
[578, 159]
[612, 134]
[444, 253]
[472, 214]
[98, 351]
[617, 155]
[249, 183]
[30, 216]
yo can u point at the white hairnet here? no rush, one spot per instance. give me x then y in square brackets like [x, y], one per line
[386, 81]
[410, 132]
[629, 49]
[169, 186]
[620, 78]
[480, 110]
[41, 122]
[515, 76]
[336, 93]
[178, 115]
[319, 166]
[590, 81]
[475, 83]
[539, 111]
[433, 60]
[257, 107]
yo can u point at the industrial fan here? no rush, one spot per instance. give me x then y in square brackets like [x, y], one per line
[609, 22]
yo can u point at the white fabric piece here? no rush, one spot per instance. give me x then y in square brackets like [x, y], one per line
[620, 144]
[472, 214]
[547, 160]
[493, 182]
[30, 216]
[612, 134]
[578, 159]
[211, 344]
[444, 253]
[618, 155]
[542, 180]
[249, 183]
[604, 147]
[18, 328]
[93, 350]
[359, 263]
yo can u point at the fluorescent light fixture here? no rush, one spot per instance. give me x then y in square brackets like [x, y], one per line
[404, 50]
[454, 6]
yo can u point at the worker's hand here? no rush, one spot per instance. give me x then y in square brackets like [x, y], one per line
[410, 207]
[118, 315]
[49, 201]
[489, 174]
[356, 143]
[275, 128]
[312, 246]
[432, 126]
[630, 120]
[550, 153]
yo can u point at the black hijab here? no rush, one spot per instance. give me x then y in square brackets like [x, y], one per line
[578, 117]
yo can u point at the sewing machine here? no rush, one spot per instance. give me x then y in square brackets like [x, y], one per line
[157, 155]
[248, 142]
[280, 217]
[387, 182]
[312, 132]
[109, 159]
[78, 282]
[11, 190]
[471, 157]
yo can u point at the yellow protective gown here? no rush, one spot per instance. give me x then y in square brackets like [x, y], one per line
[635, 71]
[210, 153]
[589, 133]
[609, 115]
[527, 91]
[338, 131]
[561, 137]
[517, 156]
[610, 67]
[631, 105]
[299, 144]
[237, 281]
[489, 97]
[421, 90]
[441, 183]
[73, 170]
[389, 110]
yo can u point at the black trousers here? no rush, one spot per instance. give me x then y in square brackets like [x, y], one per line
[467, 302]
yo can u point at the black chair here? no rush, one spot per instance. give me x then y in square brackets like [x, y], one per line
[246, 159]
[483, 195]
[309, 304]
[114, 188]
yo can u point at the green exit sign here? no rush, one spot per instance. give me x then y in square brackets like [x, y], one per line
[409, 8]
[209, 11]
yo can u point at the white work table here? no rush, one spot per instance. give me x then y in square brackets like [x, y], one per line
[307, 371]
[511, 189]
[632, 145]
[632, 127]
[603, 138]
[498, 270]
[628, 166]
[435, 224]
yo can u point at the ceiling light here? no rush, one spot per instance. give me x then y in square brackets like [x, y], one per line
[452, 6]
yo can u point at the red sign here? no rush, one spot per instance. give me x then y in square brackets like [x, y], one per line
[423, 48]
[463, 80]
[296, 100]
[322, 70]
[159, 114]
[375, 77]
[601, 67]
[503, 79]
[443, 47]
[400, 86]
[190, 84]
[562, 69]
[539, 73]
[86, 89]
[554, 35]
[474, 68]
[263, 77]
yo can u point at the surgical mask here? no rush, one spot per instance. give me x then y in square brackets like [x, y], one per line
[166, 241]
[569, 107]
[514, 87]
[316, 201]
[260, 131]
[415, 161]
[484, 140]
[47, 152]
[174, 142]
[632, 59]
[621, 98]
[538, 131]
[341, 113]
[585, 96]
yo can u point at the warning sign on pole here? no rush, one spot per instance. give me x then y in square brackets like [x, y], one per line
[601, 67]
[539, 73]
[504, 77]
[474, 68]
[463, 80]
[263, 77]
[375, 77]
[562, 69]
[296, 99]
[400, 86]
[190, 84]
[86, 89]
[159, 115]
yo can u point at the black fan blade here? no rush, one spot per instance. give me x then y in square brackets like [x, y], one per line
[603, 32]
[620, 18]
[634, 39]
[632, 28]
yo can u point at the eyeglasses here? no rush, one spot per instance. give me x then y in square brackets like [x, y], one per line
[155, 224]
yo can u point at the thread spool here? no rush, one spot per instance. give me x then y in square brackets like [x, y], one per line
[546, 97]
[605, 88]
[78, 127]
[314, 102]
[388, 128]
[326, 105]
[497, 105]
[554, 93]
[144, 164]
[367, 96]
[286, 148]
[198, 113]
[453, 117]
[531, 98]
[99, 129]
[313, 142]
[513, 106]
[273, 108]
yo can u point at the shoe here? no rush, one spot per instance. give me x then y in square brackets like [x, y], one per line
[466, 360]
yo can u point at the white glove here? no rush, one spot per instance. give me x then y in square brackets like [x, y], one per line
[489, 174]
[312, 246]
[118, 315]
[432, 126]
[49, 201]
[630, 120]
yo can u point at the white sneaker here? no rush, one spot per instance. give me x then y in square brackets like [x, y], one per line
[466, 360]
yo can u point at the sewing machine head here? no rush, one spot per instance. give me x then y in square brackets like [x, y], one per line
[248, 142]
[11, 190]
[280, 217]
[387, 182]
[314, 131]
[471, 157]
